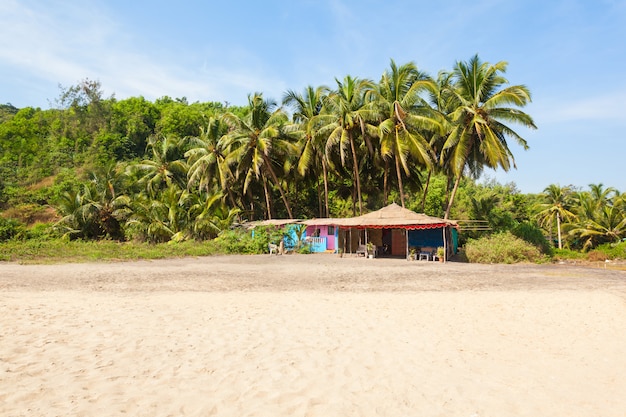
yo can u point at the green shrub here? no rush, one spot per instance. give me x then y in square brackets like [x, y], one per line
[239, 241]
[61, 250]
[565, 254]
[534, 235]
[42, 231]
[304, 249]
[503, 248]
[10, 229]
[613, 250]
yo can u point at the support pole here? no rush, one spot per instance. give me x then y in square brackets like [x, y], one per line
[350, 240]
[445, 245]
[406, 238]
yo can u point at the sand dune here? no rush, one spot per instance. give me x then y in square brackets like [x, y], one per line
[122, 339]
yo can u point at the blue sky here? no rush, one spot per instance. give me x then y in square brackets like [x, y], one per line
[570, 53]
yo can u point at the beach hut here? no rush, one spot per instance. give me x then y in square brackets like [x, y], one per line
[322, 234]
[395, 231]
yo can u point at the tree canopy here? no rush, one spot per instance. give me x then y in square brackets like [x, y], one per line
[172, 170]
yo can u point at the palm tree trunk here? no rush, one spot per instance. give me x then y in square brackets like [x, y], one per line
[320, 209]
[452, 195]
[386, 182]
[355, 164]
[267, 199]
[280, 187]
[558, 228]
[231, 198]
[400, 185]
[426, 191]
[325, 170]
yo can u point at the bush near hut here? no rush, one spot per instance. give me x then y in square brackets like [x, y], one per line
[533, 234]
[501, 248]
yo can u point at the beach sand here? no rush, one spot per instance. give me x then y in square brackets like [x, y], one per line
[313, 335]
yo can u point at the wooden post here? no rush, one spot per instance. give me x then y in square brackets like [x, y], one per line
[406, 238]
[445, 245]
[350, 240]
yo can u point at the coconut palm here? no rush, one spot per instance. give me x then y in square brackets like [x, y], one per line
[312, 155]
[480, 110]
[407, 120]
[209, 215]
[78, 220]
[600, 217]
[208, 166]
[602, 196]
[607, 225]
[159, 220]
[442, 106]
[345, 118]
[557, 205]
[258, 143]
[94, 211]
[165, 168]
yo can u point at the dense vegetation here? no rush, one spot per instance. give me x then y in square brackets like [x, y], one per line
[98, 168]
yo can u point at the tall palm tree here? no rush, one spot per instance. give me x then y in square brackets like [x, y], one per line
[208, 166]
[557, 204]
[345, 118]
[479, 110]
[258, 142]
[306, 107]
[406, 119]
[602, 196]
[442, 106]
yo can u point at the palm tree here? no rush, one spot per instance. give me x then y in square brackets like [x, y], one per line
[78, 219]
[607, 225]
[602, 196]
[159, 220]
[557, 205]
[346, 117]
[600, 216]
[208, 166]
[258, 141]
[406, 119]
[442, 105]
[209, 215]
[165, 168]
[479, 111]
[306, 107]
[95, 210]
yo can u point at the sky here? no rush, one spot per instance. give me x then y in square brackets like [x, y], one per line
[571, 54]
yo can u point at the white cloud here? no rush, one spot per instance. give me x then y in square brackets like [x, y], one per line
[64, 43]
[605, 107]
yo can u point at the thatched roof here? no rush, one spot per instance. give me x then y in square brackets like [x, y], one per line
[324, 221]
[272, 222]
[394, 216]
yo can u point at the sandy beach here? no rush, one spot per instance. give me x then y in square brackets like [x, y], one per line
[315, 335]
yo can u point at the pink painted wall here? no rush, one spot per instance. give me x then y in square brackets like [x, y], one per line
[330, 239]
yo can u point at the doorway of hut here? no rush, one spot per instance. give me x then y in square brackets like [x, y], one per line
[387, 242]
